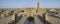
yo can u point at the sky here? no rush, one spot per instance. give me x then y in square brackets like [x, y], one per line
[29, 3]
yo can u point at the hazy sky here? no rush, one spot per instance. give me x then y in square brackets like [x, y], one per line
[29, 3]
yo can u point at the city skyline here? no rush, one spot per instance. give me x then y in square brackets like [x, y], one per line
[29, 3]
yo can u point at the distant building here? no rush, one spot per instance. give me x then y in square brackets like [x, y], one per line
[32, 11]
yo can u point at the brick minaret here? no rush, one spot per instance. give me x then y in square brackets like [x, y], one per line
[38, 7]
